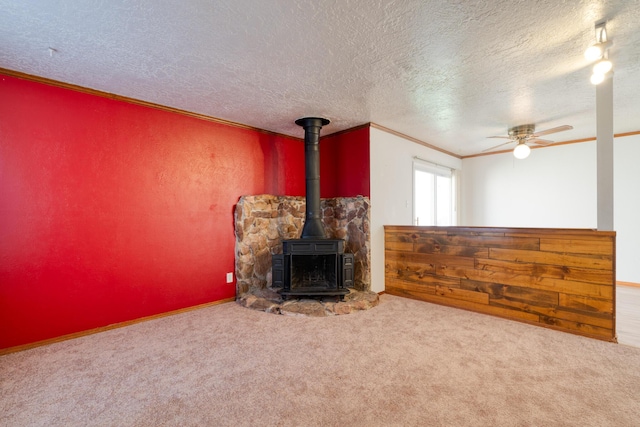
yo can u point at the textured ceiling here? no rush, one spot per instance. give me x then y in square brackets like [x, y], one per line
[447, 73]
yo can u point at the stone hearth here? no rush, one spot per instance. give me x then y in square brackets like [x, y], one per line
[271, 302]
[262, 222]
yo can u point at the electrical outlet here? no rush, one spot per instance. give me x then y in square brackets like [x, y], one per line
[229, 277]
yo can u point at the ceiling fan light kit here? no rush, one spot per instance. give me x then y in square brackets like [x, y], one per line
[600, 51]
[521, 151]
[525, 134]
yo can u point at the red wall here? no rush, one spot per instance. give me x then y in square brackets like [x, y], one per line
[344, 164]
[111, 211]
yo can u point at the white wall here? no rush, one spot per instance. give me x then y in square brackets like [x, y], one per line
[553, 187]
[556, 187]
[391, 160]
[626, 207]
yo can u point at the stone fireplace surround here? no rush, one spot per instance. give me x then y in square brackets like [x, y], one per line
[263, 221]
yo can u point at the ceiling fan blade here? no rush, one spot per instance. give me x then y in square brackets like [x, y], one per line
[499, 145]
[505, 137]
[552, 130]
[539, 141]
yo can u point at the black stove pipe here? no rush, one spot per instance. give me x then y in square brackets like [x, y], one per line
[312, 228]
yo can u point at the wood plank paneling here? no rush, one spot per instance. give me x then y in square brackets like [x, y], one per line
[604, 277]
[576, 246]
[515, 293]
[585, 303]
[399, 246]
[465, 251]
[463, 294]
[553, 258]
[558, 278]
[527, 281]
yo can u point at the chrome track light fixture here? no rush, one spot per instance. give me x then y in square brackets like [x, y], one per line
[599, 51]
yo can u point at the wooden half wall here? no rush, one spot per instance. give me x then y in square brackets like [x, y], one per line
[558, 278]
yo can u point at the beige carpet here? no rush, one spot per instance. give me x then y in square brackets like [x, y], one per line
[403, 363]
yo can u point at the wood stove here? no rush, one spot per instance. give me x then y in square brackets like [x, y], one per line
[312, 265]
[313, 268]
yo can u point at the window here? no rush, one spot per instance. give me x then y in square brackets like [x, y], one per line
[434, 195]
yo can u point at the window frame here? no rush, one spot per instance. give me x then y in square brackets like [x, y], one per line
[436, 170]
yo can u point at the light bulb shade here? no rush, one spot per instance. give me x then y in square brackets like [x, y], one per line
[521, 151]
[596, 78]
[593, 52]
[602, 67]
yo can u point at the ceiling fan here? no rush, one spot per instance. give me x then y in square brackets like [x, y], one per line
[524, 135]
